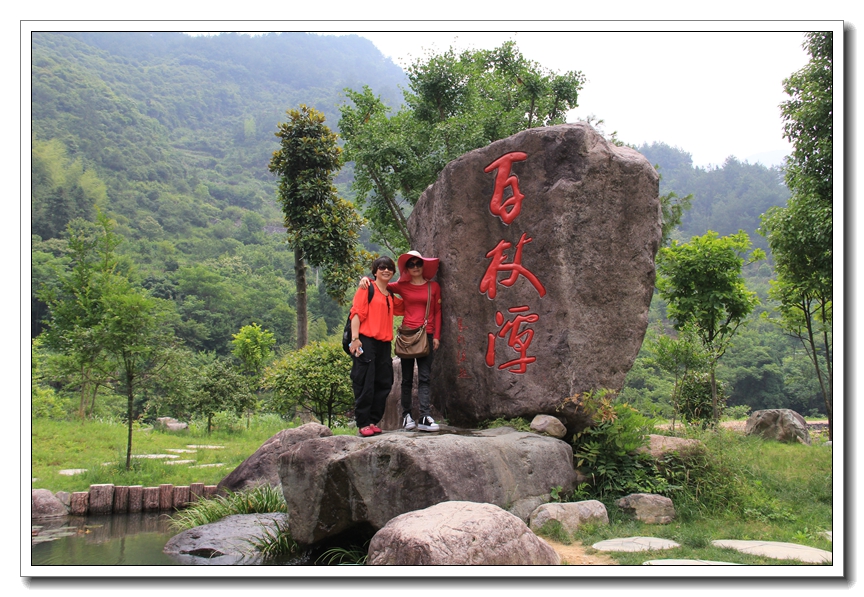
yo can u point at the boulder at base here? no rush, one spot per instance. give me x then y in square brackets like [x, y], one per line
[229, 541]
[262, 467]
[45, 504]
[335, 483]
[649, 508]
[781, 424]
[547, 242]
[571, 515]
[459, 534]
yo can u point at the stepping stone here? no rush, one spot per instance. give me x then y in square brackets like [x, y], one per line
[828, 535]
[688, 563]
[635, 544]
[180, 450]
[179, 461]
[155, 456]
[206, 447]
[215, 464]
[778, 550]
[68, 472]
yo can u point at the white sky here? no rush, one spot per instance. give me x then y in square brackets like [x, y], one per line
[712, 94]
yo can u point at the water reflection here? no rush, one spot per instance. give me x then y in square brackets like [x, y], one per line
[127, 540]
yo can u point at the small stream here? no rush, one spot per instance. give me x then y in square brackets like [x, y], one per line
[111, 540]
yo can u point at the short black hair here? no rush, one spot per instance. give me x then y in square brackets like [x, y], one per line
[376, 265]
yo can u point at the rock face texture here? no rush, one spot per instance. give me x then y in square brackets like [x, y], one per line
[262, 467]
[226, 542]
[571, 515]
[45, 504]
[781, 424]
[547, 242]
[459, 534]
[648, 507]
[333, 484]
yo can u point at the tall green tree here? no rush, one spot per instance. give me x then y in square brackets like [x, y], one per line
[801, 235]
[703, 286]
[454, 103]
[138, 335]
[323, 229]
[808, 120]
[77, 308]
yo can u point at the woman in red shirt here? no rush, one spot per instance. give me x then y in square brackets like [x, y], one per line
[415, 273]
[371, 333]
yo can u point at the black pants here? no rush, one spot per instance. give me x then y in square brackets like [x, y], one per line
[371, 379]
[424, 373]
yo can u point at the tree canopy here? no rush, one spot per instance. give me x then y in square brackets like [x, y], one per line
[454, 103]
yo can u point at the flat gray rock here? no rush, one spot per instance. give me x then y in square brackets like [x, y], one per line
[778, 550]
[227, 542]
[635, 544]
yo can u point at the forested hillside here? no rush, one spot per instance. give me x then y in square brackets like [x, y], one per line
[170, 136]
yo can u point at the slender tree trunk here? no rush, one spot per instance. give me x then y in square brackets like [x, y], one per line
[300, 282]
[716, 416]
[130, 402]
[814, 356]
[398, 216]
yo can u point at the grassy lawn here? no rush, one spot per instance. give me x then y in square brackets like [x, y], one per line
[100, 447]
[753, 490]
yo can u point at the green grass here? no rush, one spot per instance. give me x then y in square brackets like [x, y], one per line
[745, 488]
[58, 445]
[263, 499]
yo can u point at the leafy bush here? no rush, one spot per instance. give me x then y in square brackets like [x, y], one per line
[316, 378]
[607, 453]
[696, 406]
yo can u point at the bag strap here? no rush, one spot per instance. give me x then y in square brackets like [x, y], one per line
[371, 291]
[428, 301]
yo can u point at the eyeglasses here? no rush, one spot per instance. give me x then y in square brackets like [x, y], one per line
[389, 268]
[413, 264]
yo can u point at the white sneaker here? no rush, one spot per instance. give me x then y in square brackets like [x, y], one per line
[428, 424]
[408, 423]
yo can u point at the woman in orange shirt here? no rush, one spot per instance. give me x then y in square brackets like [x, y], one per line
[371, 334]
[416, 288]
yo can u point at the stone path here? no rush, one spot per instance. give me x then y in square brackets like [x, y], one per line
[170, 458]
[778, 550]
[771, 549]
[635, 544]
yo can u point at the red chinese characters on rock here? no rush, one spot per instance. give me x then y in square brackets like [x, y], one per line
[461, 356]
[488, 285]
[507, 209]
[518, 339]
[514, 331]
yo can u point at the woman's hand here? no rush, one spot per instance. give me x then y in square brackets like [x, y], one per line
[435, 343]
[356, 347]
[364, 282]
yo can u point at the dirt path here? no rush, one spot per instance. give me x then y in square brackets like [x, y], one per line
[574, 555]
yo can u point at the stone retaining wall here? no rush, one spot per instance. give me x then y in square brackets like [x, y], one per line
[111, 499]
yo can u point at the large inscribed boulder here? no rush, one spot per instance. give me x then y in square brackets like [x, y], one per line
[334, 484]
[547, 242]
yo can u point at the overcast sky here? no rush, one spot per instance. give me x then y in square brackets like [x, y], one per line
[713, 94]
